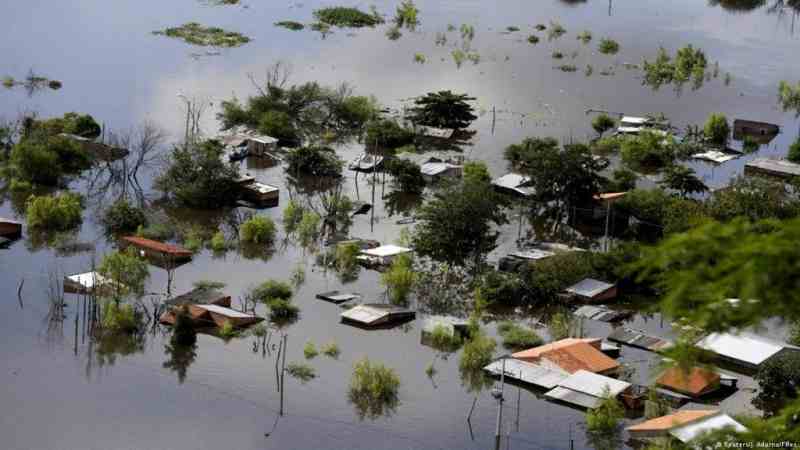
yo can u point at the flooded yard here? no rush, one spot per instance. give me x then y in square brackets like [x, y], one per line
[63, 389]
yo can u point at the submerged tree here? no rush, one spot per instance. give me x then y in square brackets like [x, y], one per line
[443, 109]
[683, 180]
[197, 176]
[373, 389]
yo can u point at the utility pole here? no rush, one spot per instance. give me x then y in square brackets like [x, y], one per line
[498, 394]
[608, 220]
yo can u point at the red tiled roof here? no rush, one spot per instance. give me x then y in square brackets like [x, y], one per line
[572, 355]
[161, 247]
[696, 382]
[668, 422]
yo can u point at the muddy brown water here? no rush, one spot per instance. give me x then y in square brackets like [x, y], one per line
[56, 392]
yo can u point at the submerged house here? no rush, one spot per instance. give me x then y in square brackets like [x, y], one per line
[261, 194]
[10, 229]
[514, 184]
[761, 132]
[683, 425]
[747, 351]
[376, 315]
[207, 308]
[635, 125]
[87, 283]
[435, 170]
[639, 339]
[778, 168]
[587, 390]
[383, 255]
[695, 383]
[160, 251]
[591, 290]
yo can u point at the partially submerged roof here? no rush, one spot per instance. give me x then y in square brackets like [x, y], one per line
[526, 372]
[696, 382]
[227, 312]
[451, 324]
[88, 280]
[745, 347]
[692, 430]
[571, 355]
[386, 250]
[586, 389]
[200, 296]
[514, 182]
[715, 156]
[589, 288]
[159, 247]
[635, 120]
[337, 296]
[532, 254]
[640, 339]
[263, 188]
[777, 167]
[601, 313]
[670, 421]
[437, 168]
[376, 314]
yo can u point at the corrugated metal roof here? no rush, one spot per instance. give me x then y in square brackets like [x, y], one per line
[775, 166]
[715, 156]
[635, 120]
[534, 374]
[690, 431]
[589, 287]
[600, 313]
[593, 384]
[160, 247]
[576, 398]
[635, 338]
[744, 347]
[514, 182]
[89, 279]
[227, 312]
[386, 250]
[671, 421]
[371, 313]
[436, 168]
[450, 323]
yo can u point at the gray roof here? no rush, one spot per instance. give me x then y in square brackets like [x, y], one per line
[527, 372]
[777, 166]
[576, 398]
[593, 384]
[744, 347]
[589, 287]
[374, 313]
[452, 324]
[514, 182]
[197, 296]
[692, 430]
[636, 338]
[599, 313]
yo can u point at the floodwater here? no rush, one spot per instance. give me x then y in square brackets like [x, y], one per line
[61, 392]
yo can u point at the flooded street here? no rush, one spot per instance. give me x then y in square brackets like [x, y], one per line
[63, 391]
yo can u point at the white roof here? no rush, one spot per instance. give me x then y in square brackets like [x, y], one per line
[264, 188]
[386, 250]
[527, 372]
[532, 254]
[589, 287]
[690, 431]
[715, 156]
[227, 312]
[574, 397]
[263, 139]
[511, 180]
[89, 279]
[436, 168]
[371, 313]
[634, 119]
[628, 130]
[745, 347]
[593, 384]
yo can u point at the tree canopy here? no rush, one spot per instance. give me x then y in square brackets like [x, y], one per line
[443, 109]
[196, 176]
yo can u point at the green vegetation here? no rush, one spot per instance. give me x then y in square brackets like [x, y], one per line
[122, 217]
[794, 152]
[82, 125]
[399, 279]
[310, 350]
[557, 54]
[127, 270]
[458, 56]
[443, 109]
[444, 339]
[430, 370]
[277, 295]
[608, 46]
[292, 215]
[309, 228]
[302, 372]
[533, 39]
[689, 64]
[45, 159]
[347, 17]
[183, 332]
[778, 379]
[420, 58]
[603, 123]
[788, 96]
[683, 180]
[407, 175]
[156, 231]
[54, 212]
[555, 31]
[218, 242]
[647, 151]
[585, 36]
[477, 353]
[258, 230]
[227, 330]
[512, 29]
[562, 325]
[406, 15]
[467, 32]
[331, 350]
[373, 389]
[606, 417]
[209, 284]
[117, 318]
[567, 68]
[196, 34]
[315, 161]
[540, 27]
[346, 256]
[290, 25]
[387, 133]
[393, 33]
[716, 129]
[197, 177]
[517, 337]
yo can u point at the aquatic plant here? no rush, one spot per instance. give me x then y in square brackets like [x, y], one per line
[59, 212]
[444, 339]
[608, 46]
[331, 350]
[290, 25]
[310, 350]
[567, 68]
[430, 370]
[517, 337]
[474, 57]
[557, 54]
[407, 15]
[533, 39]
[399, 279]
[788, 95]
[589, 70]
[393, 33]
[122, 217]
[9, 82]
[196, 34]
[257, 230]
[689, 64]
[373, 389]
[309, 228]
[458, 56]
[345, 17]
[302, 372]
[540, 27]
[467, 32]
[555, 31]
[585, 36]
[118, 318]
[419, 58]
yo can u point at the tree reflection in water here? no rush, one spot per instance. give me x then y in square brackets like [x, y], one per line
[180, 358]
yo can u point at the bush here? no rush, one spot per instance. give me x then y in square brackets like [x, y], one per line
[399, 279]
[218, 242]
[82, 125]
[193, 239]
[227, 330]
[45, 160]
[196, 176]
[316, 161]
[373, 389]
[647, 151]
[606, 417]
[331, 350]
[716, 129]
[292, 215]
[533, 39]
[183, 332]
[156, 231]
[476, 172]
[407, 174]
[310, 350]
[608, 46]
[347, 17]
[302, 372]
[61, 212]
[118, 318]
[387, 133]
[346, 256]
[309, 228]
[794, 152]
[122, 217]
[279, 125]
[778, 381]
[272, 289]
[444, 339]
[478, 352]
[290, 25]
[603, 123]
[407, 13]
[126, 269]
[258, 230]
[516, 337]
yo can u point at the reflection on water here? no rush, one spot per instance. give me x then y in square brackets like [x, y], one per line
[180, 357]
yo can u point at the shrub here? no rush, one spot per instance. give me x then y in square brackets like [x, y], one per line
[606, 417]
[399, 279]
[794, 152]
[393, 33]
[196, 176]
[533, 39]
[290, 25]
[585, 36]
[557, 54]
[310, 350]
[156, 231]
[555, 31]
[193, 239]
[309, 228]
[196, 34]
[281, 310]
[516, 337]
[647, 151]
[603, 123]
[292, 215]
[122, 217]
[227, 330]
[54, 213]
[407, 174]
[279, 125]
[608, 46]
[444, 339]
[126, 269]
[346, 256]
[387, 133]
[477, 353]
[316, 161]
[716, 129]
[272, 289]
[258, 230]
[750, 145]
[373, 389]
[476, 172]
[331, 350]
[118, 318]
[45, 160]
[420, 58]
[302, 372]
[218, 242]
[407, 13]
[82, 125]
[347, 17]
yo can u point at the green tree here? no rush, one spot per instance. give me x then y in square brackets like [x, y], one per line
[754, 198]
[778, 382]
[683, 180]
[196, 176]
[407, 175]
[122, 217]
[258, 230]
[126, 270]
[315, 161]
[607, 416]
[443, 109]
[794, 152]
[603, 123]
[399, 279]
[387, 133]
[716, 129]
[647, 151]
[476, 172]
[54, 212]
[458, 225]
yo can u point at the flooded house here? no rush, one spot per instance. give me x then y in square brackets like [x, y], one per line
[744, 351]
[241, 143]
[159, 253]
[761, 132]
[533, 252]
[261, 194]
[10, 229]
[377, 315]
[435, 170]
[683, 425]
[338, 296]
[776, 168]
[591, 290]
[601, 313]
[716, 156]
[635, 125]
[514, 184]
[383, 255]
[695, 383]
[586, 389]
[639, 339]
[87, 283]
[366, 163]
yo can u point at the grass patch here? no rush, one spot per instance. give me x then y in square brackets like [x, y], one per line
[443, 340]
[310, 350]
[373, 389]
[585, 36]
[331, 350]
[290, 25]
[393, 33]
[345, 17]
[196, 34]
[302, 372]
[533, 39]
[419, 58]
[608, 46]
[557, 55]
[555, 31]
[517, 337]
[512, 29]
